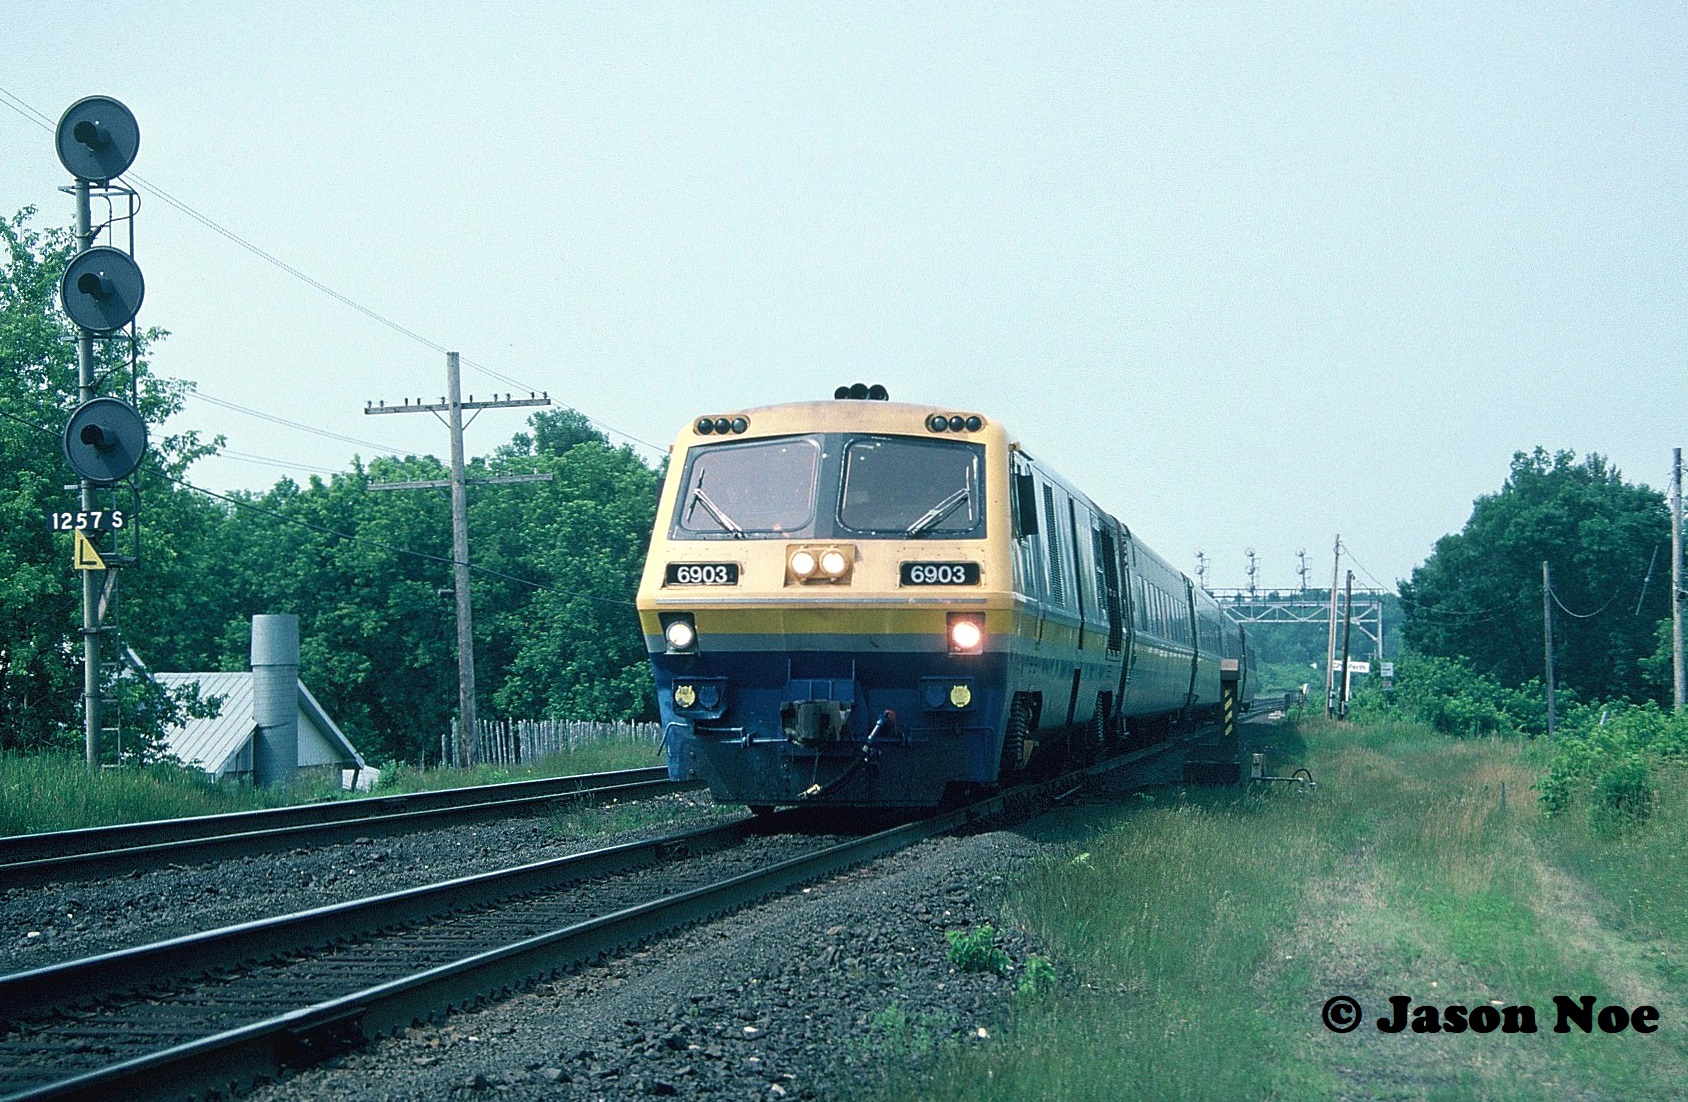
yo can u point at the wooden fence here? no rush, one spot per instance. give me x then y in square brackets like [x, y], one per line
[509, 741]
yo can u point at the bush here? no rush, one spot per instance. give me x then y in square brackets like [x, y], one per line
[1606, 757]
[1623, 795]
[1452, 697]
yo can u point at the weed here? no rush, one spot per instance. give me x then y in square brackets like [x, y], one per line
[1037, 980]
[976, 950]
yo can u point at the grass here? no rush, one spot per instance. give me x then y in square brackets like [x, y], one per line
[44, 792]
[1195, 937]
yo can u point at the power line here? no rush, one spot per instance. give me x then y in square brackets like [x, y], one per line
[1350, 553]
[26, 111]
[382, 544]
[241, 503]
[21, 107]
[283, 464]
[384, 449]
[1580, 615]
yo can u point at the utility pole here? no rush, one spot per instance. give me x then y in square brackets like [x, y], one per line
[1347, 634]
[453, 406]
[1301, 554]
[1679, 681]
[1547, 632]
[1330, 645]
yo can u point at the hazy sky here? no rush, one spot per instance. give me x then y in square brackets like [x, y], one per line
[1250, 276]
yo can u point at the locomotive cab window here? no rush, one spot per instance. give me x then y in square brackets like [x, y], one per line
[900, 487]
[759, 489]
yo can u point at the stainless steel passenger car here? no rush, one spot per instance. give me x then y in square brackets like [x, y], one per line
[875, 604]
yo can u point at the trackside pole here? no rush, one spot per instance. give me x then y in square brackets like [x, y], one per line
[1230, 674]
[1223, 767]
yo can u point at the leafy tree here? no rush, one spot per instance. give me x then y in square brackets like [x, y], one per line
[40, 671]
[368, 573]
[572, 645]
[40, 652]
[1479, 594]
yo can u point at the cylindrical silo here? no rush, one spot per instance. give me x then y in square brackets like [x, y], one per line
[275, 698]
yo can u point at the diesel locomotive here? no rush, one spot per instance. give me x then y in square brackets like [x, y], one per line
[867, 603]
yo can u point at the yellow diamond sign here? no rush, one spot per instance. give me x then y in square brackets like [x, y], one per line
[86, 558]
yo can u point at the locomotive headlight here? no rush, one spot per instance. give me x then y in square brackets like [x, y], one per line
[966, 632]
[680, 632]
[803, 563]
[834, 563]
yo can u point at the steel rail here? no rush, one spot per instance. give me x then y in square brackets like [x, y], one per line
[68, 984]
[309, 1034]
[312, 1033]
[58, 843]
[115, 862]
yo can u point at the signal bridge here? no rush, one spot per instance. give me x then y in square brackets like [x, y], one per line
[1253, 606]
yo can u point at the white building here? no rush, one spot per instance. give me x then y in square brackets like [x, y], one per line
[223, 746]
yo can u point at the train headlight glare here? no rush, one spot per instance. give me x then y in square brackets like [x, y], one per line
[966, 633]
[802, 564]
[834, 563]
[681, 635]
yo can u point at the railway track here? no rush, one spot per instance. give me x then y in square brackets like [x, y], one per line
[31, 859]
[214, 1010]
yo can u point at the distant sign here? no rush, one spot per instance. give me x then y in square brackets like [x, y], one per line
[1388, 669]
[1354, 666]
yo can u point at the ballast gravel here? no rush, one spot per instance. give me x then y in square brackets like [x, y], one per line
[817, 994]
[64, 921]
[820, 993]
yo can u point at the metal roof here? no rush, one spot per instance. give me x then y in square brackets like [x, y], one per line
[217, 745]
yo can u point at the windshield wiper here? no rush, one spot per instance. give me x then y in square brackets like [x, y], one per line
[938, 512]
[721, 518]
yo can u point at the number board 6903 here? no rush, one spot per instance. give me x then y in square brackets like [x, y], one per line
[940, 573]
[701, 573]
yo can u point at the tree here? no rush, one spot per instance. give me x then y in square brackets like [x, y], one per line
[40, 652]
[571, 646]
[368, 574]
[1479, 594]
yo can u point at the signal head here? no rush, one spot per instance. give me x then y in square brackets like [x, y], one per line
[102, 289]
[105, 440]
[97, 139]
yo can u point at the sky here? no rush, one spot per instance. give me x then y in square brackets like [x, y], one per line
[1251, 276]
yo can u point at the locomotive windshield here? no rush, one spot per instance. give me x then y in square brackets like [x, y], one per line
[895, 486]
[760, 489]
[833, 485]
